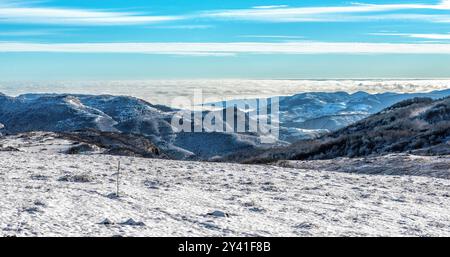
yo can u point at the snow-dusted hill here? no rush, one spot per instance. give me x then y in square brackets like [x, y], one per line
[302, 116]
[418, 126]
[306, 115]
[51, 194]
[107, 113]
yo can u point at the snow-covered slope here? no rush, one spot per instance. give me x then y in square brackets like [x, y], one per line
[40, 142]
[73, 195]
[86, 142]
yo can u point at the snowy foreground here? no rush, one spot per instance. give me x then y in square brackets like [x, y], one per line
[45, 194]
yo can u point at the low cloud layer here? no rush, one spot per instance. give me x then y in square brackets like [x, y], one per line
[164, 91]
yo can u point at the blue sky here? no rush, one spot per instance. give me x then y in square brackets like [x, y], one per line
[164, 39]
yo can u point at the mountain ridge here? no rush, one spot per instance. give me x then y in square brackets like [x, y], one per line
[418, 126]
[302, 116]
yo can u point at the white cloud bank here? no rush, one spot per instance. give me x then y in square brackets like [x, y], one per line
[164, 91]
[231, 48]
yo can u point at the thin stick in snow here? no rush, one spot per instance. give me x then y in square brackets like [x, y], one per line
[118, 173]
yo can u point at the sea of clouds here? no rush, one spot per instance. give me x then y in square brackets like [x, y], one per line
[164, 91]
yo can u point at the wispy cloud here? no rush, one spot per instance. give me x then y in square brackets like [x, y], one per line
[415, 35]
[353, 12]
[221, 49]
[446, 3]
[186, 27]
[26, 33]
[33, 13]
[272, 36]
[11, 12]
[269, 6]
